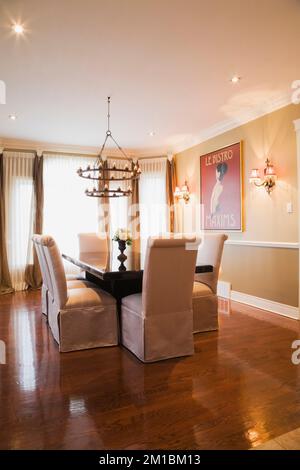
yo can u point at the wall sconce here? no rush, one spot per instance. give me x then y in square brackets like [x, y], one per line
[183, 193]
[268, 180]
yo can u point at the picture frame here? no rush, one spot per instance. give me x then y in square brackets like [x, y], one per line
[221, 189]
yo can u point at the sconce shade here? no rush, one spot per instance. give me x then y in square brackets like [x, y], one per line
[254, 175]
[270, 170]
[183, 192]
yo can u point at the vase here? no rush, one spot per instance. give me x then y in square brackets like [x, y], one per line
[122, 257]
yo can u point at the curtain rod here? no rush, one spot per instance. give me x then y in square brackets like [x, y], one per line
[20, 150]
[75, 154]
[153, 158]
[94, 155]
[70, 154]
[52, 152]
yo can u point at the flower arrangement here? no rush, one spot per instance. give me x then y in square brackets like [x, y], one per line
[123, 235]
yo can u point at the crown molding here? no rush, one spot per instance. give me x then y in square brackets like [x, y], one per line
[206, 134]
[44, 147]
[232, 123]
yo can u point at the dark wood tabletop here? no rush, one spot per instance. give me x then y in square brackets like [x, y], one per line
[106, 265]
[105, 270]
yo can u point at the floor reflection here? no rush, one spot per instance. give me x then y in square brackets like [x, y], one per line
[23, 328]
[239, 389]
[224, 305]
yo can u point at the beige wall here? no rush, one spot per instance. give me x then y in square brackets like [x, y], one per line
[270, 273]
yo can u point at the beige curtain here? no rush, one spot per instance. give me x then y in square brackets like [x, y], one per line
[5, 279]
[19, 213]
[134, 223]
[33, 276]
[154, 213]
[171, 185]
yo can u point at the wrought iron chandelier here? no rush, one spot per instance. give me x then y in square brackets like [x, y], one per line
[103, 173]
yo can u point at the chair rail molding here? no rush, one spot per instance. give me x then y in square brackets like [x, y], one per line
[264, 244]
[297, 129]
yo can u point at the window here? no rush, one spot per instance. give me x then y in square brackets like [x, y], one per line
[153, 200]
[67, 210]
[19, 204]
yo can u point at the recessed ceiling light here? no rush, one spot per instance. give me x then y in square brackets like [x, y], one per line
[151, 133]
[235, 79]
[18, 28]
[13, 117]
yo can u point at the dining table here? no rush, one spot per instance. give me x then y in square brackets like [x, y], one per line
[119, 278]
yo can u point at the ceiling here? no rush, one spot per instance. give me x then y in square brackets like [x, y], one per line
[167, 65]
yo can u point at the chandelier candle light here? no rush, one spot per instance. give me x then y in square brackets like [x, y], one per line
[102, 173]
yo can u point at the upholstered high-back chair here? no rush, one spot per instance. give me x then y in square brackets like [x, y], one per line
[158, 323]
[46, 287]
[92, 243]
[210, 253]
[79, 318]
[57, 271]
[205, 301]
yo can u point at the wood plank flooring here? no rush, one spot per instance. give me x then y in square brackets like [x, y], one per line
[238, 391]
[288, 441]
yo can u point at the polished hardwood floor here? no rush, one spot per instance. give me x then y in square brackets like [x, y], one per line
[239, 390]
[287, 441]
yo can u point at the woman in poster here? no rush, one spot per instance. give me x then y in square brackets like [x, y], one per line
[221, 170]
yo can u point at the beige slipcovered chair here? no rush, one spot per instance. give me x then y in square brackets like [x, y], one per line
[205, 300]
[45, 275]
[47, 288]
[157, 324]
[80, 318]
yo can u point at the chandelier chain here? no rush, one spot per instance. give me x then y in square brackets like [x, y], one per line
[108, 113]
[105, 173]
[120, 148]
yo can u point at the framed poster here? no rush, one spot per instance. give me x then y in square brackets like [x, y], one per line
[221, 189]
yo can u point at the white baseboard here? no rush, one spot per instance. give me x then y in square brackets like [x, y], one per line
[265, 304]
[224, 290]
